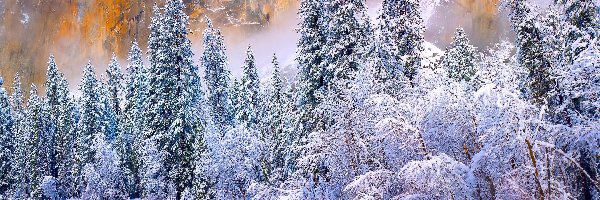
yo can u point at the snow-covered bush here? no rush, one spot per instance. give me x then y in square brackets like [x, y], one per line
[436, 177]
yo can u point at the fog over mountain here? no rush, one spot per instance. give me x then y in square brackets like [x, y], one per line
[78, 31]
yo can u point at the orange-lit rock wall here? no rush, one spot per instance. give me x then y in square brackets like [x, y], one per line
[78, 30]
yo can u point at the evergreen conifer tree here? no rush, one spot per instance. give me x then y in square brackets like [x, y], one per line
[217, 77]
[7, 141]
[530, 52]
[128, 144]
[309, 58]
[174, 95]
[401, 29]
[37, 144]
[19, 172]
[91, 122]
[249, 95]
[60, 110]
[460, 57]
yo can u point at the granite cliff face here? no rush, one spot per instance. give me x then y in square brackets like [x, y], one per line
[79, 30]
[76, 31]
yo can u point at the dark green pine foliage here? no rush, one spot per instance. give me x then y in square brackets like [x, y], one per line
[344, 36]
[6, 140]
[109, 116]
[174, 95]
[278, 142]
[309, 59]
[91, 122]
[530, 53]
[37, 144]
[401, 37]
[460, 57]
[234, 96]
[114, 94]
[249, 95]
[217, 78]
[128, 143]
[115, 84]
[60, 111]
[342, 49]
[19, 172]
[584, 21]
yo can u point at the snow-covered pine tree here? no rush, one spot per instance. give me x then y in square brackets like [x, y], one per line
[389, 50]
[115, 84]
[460, 57]
[530, 52]
[401, 29]
[37, 144]
[114, 97]
[217, 77]
[174, 94]
[110, 119]
[249, 101]
[234, 96]
[91, 122]
[128, 144]
[276, 138]
[309, 58]
[582, 17]
[343, 39]
[342, 60]
[19, 157]
[7, 141]
[60, 110]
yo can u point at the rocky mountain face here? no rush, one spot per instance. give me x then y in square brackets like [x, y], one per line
[78, 30]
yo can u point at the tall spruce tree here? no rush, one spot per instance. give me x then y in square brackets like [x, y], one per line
[114, 97]
[7, 141]
[342, 48]
[61, 118]
[343, 39]
[91, 122]
[128, 144]
[115, 84]
[530, 52]
[174, 94]
[277, 142]
[19, 173]
[309, 59]
[37, 144]
[401, 36]
[249, 95]
[217, 77]
[460, 57]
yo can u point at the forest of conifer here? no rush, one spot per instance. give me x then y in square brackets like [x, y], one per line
[365, 117]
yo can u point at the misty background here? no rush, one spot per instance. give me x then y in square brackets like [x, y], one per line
[79, 31]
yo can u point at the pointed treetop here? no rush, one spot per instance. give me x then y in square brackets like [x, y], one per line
[460, 38]
[114, 68]
[51, 63]
[33, 90]
[276, 78]
[135, 52]
[249, 56]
